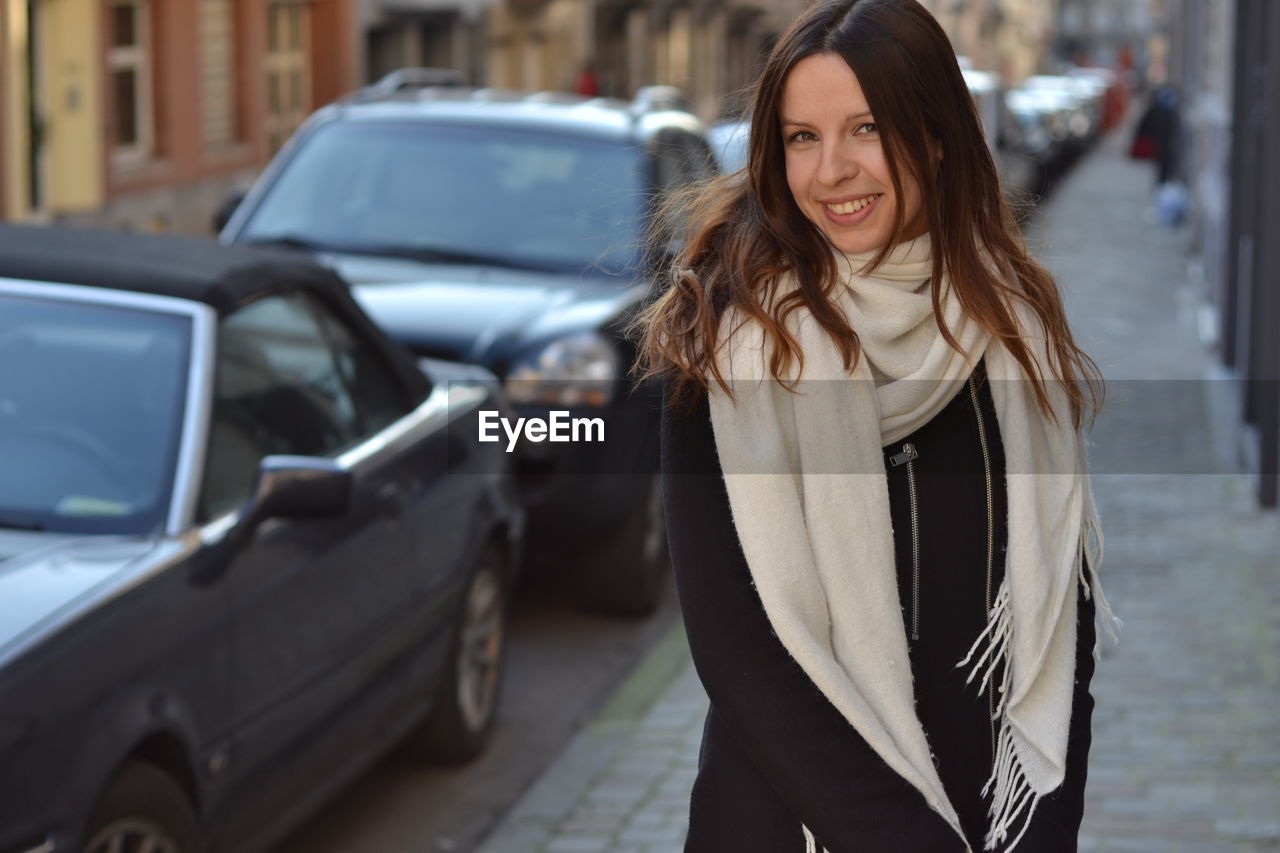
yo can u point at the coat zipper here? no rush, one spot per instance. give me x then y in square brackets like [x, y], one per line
[908, 456]
[991, 544]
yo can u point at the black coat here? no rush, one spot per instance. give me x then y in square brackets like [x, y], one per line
[775, 753]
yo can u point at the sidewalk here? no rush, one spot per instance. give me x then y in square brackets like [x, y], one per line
[1186, 750]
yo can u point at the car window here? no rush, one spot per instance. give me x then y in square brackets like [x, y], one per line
[376, 392]
[278, 389]
[92, 401]
[544, 199]
[292, 378]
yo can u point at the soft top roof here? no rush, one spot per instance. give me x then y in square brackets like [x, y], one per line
[223, 277]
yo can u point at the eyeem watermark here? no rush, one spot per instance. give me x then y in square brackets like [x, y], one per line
[559, 427]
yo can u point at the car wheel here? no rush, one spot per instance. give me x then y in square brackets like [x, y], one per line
[143, 809]
[466, 703]
[626, 575]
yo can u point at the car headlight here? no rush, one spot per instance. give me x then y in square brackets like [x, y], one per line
[576, 370]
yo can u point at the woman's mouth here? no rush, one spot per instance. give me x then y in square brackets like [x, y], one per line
[850, 213]
[848, 208]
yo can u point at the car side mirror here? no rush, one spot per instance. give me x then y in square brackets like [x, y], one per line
[286, 487]
[300, 487]
[294, 487]
[226, 209]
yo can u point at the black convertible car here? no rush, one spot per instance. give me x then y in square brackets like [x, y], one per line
[241, 552]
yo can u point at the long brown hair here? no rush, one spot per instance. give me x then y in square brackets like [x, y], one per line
[747, 233]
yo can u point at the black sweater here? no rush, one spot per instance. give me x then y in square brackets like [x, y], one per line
[776, 754]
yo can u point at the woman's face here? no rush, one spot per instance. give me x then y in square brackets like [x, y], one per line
[836, 166]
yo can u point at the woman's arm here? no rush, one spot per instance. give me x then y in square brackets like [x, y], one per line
[818, 764]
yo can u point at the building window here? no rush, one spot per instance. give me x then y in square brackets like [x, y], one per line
[129, 69]
[217, 73]
[288, 69]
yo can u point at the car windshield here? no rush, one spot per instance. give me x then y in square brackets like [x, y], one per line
[459, 195]
[91, 403]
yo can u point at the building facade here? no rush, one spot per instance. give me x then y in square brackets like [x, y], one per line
[1224, 59]
[417, 33]
[1248, 268]
[709, 49]
[145, 113]
[1096, 32]
[1011, 38]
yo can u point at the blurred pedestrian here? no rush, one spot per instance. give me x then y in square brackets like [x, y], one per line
[1158, 135]
[895, 636]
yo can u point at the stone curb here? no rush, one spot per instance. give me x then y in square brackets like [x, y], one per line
[551, 801]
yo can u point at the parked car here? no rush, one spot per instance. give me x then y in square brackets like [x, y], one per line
[1113, 91]
[1045, 122]
[242, 552]
[1077, 98]
[1022, 173]
[515, 231]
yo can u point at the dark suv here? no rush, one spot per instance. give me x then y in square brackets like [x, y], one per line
[515, 231]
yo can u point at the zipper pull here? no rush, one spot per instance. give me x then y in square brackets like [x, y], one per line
[908, 454]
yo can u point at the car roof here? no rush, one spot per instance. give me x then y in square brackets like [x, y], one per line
[601, 118]
[223, 277]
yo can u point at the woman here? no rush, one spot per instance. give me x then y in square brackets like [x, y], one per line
[891, 619]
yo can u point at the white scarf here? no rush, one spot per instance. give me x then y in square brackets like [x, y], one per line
[819, 542]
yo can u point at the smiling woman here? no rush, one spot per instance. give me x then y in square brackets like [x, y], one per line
[894, 634]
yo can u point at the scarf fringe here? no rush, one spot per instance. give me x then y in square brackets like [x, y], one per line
[1010, 791]
[994, 642]
[1091, 547]
[811, 843]
[1012, 799]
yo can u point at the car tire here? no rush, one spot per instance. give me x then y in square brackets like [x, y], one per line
[462, 716]
[627, 574]
[143, 808]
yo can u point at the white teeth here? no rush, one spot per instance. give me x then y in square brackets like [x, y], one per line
[852, 206]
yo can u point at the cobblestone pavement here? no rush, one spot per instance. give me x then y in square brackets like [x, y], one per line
[1186, 753]
[622, 786]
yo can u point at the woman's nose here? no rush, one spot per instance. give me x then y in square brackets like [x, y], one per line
[836, 165]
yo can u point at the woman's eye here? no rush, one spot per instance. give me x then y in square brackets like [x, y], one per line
[801, 136]
[866, 129]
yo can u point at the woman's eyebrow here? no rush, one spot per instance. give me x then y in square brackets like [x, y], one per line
[847, 119]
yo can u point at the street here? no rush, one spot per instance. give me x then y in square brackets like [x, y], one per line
[313, 316]
[563, 664]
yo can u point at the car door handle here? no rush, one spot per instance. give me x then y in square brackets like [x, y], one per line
[391, 500]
